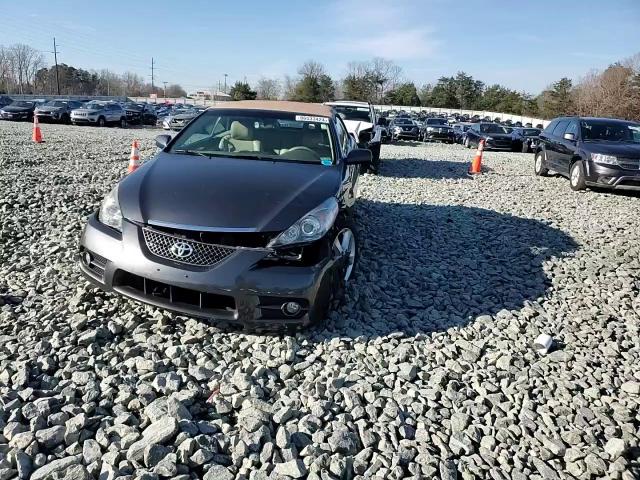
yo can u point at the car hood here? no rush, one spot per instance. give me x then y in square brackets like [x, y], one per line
[13, 109]
[87, 110]
[356, 126]
[48, 109]
[628, 150]
[225, 193]
[184, 116]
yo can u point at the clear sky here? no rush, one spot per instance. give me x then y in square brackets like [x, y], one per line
[521, 44]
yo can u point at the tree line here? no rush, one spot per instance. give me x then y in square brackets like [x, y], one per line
[613, 92]
[23, 71]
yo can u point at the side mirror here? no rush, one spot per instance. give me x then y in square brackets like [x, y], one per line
[162, 141]
[358, 156]
[570, 136]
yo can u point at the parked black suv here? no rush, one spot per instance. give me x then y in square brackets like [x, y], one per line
[600, 152]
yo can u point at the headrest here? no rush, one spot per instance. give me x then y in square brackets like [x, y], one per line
[240, 131]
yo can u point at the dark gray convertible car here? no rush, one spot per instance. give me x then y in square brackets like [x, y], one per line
[244, 217]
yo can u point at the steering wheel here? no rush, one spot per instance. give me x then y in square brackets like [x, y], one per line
[301, 153]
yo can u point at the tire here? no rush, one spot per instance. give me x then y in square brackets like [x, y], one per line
[101, 122]
[123, 123]
[466, 143]
[375, 159]
[344, 226]
[576, 176]
[525, 147]
[66, 119]
[539, 167]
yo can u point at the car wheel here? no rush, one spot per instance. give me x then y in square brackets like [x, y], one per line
[123, 123]
[539, 167]
[576, 177]
[345, 245]
[467, 143]
[101, 122]
[525, 147]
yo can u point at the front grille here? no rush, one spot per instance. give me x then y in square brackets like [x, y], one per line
[202, 254]
[629, 163]
[165, 294]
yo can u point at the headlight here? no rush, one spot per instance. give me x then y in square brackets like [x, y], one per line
[397, 129]
[605, 159]
[489, 139]
[109, 212]
[313, 226]
[429, 129]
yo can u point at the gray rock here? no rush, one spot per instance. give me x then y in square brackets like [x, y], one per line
[291, 469]
[47, 471]
[615, 447]
[343, 441]
[218, 472]
[157, 433]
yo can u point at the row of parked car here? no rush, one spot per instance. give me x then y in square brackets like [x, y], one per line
[469, 134]
[99, 113]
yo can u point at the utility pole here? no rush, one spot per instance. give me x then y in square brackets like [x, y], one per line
[55, 58]
[152, 75]
[225, 83]
[165, 89]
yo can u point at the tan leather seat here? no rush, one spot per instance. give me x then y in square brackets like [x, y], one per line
[240, 139]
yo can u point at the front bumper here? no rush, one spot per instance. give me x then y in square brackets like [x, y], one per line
[412, 134]
[14, 116]
[245, 288]
[498, 146]
[439, 137]
[605, 176]
[51, 116]
[84, 119]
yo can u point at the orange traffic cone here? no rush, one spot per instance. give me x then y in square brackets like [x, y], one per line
[37, 134]
[476, 165]
[134, 161]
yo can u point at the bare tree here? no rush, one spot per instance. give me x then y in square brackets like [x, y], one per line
[288, 88]
[312, 69]
[268, 89]
[24, 62]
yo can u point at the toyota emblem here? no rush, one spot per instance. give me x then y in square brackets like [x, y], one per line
[181, 250]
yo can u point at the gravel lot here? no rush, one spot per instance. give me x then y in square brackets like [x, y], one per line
[426, 371]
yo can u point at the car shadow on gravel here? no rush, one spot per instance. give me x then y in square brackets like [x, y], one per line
[420, 168]
[426, 268]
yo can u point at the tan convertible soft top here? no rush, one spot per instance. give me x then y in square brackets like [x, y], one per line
[315, 109]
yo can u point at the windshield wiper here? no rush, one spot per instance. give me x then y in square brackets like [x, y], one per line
[192, 152]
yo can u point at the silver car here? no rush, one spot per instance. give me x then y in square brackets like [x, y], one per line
[100, 114]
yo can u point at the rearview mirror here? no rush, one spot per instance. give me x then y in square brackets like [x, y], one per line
[358, 156]
[570, 136]
[162, 141]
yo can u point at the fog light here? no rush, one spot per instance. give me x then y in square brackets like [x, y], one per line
[87, 258]
[291, 308]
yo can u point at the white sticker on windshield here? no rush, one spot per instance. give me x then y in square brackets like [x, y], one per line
[308, 118]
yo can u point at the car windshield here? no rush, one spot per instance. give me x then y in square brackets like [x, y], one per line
[402, 121]
[601, 130]
[359, 114]
[267, 135]
[492, 128]
[22, 104]
[54, 103]
[436, 121]
[531, 132]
